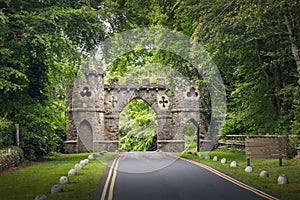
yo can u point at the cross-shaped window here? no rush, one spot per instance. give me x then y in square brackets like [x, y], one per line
[163, 101]
[113, 101]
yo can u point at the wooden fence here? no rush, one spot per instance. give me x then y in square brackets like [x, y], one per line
[239, 140]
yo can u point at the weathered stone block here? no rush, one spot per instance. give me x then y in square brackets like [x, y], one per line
[160, 81]
[145, 82]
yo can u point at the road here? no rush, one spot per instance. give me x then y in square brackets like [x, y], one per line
[157, 176]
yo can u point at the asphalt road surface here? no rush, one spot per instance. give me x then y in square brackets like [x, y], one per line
[157, 176]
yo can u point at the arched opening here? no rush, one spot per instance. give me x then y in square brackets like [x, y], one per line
[191, 136]
[137, 127]
[85, 137]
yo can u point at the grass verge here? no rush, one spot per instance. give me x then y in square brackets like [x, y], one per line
[37, 179]
[291, 168]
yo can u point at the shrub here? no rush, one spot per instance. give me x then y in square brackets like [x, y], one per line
[11, 159]
[6, 133]
[42, 131]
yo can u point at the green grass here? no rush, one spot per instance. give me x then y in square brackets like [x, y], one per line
[26, 183]
[291, 168]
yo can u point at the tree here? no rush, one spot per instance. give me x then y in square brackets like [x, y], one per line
[255, 45]
[42, 45]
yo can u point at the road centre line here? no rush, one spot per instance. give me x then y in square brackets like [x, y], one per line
[113, 180]
[233, 180]
[103, 195]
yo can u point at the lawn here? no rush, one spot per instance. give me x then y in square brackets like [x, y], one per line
[26, 183]
[291, 168]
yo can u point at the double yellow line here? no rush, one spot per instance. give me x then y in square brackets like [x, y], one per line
[233, 180]
[111, 178]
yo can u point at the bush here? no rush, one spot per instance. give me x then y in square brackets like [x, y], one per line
[10, 159]
[42, 131]
[7, 131]
[290, 144]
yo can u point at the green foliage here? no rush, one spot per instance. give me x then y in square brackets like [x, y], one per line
[41, 47]
[43, 131]
[249, 43]
[7, 132]
[12, 159]
[190, 136]
[295, 125]
[137, 127]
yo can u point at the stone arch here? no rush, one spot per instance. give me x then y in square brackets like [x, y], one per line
[152, 105]
[151, 125]
[85, 137]
[197, 126]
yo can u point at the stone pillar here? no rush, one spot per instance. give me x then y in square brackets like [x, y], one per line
[71, 135]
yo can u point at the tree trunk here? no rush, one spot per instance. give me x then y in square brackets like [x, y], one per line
[294, 47]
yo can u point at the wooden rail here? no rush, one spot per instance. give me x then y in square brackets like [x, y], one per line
[264, 148]
[239, 140]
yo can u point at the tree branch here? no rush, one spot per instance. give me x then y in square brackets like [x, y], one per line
[294, 47]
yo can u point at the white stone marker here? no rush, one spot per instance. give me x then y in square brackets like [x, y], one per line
[78, 166]
[264, 173]
[41, 197]
[248, 169]
[282, 179]
[86, 161]
[223, 161]
[233, 164]
[72, 172]
[91, 157]
[64, 180]
[207, 157]
[215, 158]
[82, 163]
[56, 189]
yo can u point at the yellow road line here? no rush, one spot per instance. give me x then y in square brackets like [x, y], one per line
[233, 180]
[113, 180]
[107, 181]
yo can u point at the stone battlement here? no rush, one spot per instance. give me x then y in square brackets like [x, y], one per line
[144, 84]
[96, 72]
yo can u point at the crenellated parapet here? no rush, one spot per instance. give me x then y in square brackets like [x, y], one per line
[91, 71]
[130, 84]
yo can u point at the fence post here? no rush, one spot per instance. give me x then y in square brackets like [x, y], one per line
[17, 135]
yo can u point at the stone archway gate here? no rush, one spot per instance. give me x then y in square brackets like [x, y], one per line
[95, 106]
